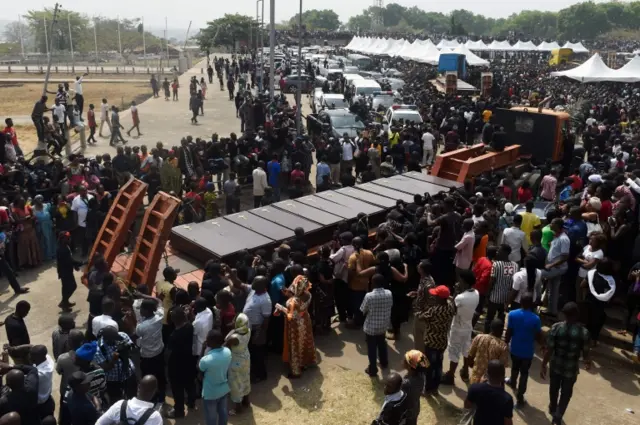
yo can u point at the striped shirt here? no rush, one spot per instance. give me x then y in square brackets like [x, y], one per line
[502, 275]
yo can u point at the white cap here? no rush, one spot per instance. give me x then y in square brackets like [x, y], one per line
[508, 207]
[595, 178]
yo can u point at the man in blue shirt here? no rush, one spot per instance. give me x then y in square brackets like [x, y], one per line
[523, 329]
[215, 386]
[273, 174]
[322, 169]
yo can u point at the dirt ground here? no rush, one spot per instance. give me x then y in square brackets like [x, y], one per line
[18, 98]
[71, 77]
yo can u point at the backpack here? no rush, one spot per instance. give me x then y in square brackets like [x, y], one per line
[130, 421]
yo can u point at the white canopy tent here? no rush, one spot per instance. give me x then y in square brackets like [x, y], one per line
[630, 73]
[547, 47]
[476, 45]
[526, 46]
[472, 58]
[576, 47]
[447, 44]
[593, 70]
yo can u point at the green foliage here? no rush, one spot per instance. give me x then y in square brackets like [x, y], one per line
[225, 31]
[581, 21]
[81, 28]
[314, 19]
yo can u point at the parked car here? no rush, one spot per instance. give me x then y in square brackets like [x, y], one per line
[292, 84]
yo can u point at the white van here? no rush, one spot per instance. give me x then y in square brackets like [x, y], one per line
[365, 88]
[351, 78]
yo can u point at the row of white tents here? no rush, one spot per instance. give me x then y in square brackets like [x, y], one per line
[427, 52]
[595, 70]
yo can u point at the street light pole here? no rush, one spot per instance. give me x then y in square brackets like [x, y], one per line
[262, 42]
[299, 91]
[259, 70]
[272, 44]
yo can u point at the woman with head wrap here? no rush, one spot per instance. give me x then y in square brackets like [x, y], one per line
[240, 369]
[29, 254]
[44, 228]
[299, 350]
[416, 364]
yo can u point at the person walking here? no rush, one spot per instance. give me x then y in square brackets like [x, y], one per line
[91, 117]
[104, 117]
[259, 183]
[194, 106]
[116, 127]
[155, 87]
[487, 347]
[523, 329]
[492, 404]
[174, 88]
[215, 385]
[135, 117]
[376, 307]
[566, 342]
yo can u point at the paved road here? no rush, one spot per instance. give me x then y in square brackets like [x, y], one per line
[600, 396]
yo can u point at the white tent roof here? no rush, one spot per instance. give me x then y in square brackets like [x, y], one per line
[444, 43]
[427, 54]
[472, 58]
[630, 73]
[592, 70]
[406, 51]
[500, 45]
[547, 47]
[399, 45]
[576, 47]
[393, 46]
[476, 45]
[525, 46]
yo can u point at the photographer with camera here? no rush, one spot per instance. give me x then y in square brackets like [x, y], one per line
[114, 357]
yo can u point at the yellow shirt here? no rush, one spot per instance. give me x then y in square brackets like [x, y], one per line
[163, 289]
[529, 222]
[394, 138]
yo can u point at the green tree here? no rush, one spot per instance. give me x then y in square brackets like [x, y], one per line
[582, 21]
[318, 20]
[35, 21]
[225, 31]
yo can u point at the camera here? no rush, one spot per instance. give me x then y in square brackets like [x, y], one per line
[124, 349]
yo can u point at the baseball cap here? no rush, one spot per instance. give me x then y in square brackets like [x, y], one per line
[77, 378]
[440, 291]
[87, 351]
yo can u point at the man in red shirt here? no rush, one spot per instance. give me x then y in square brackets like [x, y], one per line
[11, 131]
[91, 119]
[482, 271]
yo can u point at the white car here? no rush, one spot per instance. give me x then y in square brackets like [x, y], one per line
[402, 112]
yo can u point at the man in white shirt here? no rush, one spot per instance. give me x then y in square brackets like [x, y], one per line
[516, 239]
[59, 114]
[139, 409]
[461, 332]
[202, 324]
[427, 147]
[104, 116]
[45, 365]
[77, 87]
[80, 208]
[348, 147]
[105, 319]
[259, 184]
[149, 333]
[521, 287]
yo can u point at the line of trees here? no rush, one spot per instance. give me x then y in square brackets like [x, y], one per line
[586, 20]
[77, 29]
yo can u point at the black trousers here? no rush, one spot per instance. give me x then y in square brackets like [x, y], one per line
[155, 366]
[341, 295]
[115, 389]
[596, 317]
[257, 201]
[39, 124]
[492, 310]
[80, 103]
[69, 286]
[563, 386]
[7, 272]
[182, 380]
[258, 353]
[47, 408]
[92, 133]
[445, 272]
[520, 366]
[79, 240]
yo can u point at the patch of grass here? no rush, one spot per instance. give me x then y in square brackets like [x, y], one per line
[19, 98]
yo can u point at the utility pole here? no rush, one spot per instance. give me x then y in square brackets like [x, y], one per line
[272, 44]
[119, 39]
[95, 39]
[46, 36]
[299, 91]
[49, 48]
[262, 44]
[144, 44]
[21, 38]
[73, 62]
[166, 36]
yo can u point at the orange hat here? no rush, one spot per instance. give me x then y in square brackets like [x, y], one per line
[440, 291]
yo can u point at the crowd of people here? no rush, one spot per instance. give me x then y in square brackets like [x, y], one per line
[449, 259]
